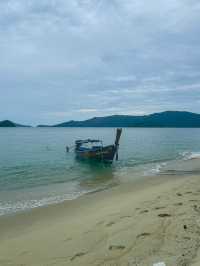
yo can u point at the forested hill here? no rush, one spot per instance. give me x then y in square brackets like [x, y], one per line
[164, 119]
[8, 123]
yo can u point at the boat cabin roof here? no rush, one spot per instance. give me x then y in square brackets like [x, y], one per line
[87, 141]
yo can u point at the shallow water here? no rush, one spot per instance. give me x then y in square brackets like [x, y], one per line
[35, 169]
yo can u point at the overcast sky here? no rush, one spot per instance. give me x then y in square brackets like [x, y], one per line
[63, 60]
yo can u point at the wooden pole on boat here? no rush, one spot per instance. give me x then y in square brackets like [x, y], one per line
[118, 135]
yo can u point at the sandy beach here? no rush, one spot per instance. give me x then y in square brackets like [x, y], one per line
[144, 223]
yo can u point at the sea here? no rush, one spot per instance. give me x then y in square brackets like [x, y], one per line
[36, 170]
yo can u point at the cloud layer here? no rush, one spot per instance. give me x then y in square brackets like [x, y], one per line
[63, 60]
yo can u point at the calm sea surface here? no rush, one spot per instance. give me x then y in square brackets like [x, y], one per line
[35, 170]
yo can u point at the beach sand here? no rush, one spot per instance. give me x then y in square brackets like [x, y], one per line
[157, 220]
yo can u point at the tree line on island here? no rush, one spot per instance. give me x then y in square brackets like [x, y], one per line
[8, 123]
[163, 119]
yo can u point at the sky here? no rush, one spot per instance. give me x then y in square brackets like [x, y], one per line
[62, 60]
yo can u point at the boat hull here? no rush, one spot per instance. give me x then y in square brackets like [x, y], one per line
[105, 154]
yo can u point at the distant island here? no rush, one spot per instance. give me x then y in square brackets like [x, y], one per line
[163, 119]
[8, 123]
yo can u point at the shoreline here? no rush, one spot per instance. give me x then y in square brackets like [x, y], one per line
[45, 211]
[138, 179]
[130, 224]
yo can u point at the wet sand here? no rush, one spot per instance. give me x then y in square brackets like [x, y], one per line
[157, 220]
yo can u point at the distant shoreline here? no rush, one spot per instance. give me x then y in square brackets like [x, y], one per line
[171, 119]
[95, 127]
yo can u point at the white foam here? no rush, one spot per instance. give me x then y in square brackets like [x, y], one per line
[10, 207]
[190, 155]
[156, 169]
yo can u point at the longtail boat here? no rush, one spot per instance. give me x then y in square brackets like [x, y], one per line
[93, 149]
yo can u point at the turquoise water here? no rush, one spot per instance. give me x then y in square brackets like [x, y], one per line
[35, 169]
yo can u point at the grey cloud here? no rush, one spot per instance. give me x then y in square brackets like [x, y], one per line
[128, 56]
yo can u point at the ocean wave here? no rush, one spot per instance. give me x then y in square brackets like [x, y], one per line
[188, 155]
[156, 169]
[11, 207]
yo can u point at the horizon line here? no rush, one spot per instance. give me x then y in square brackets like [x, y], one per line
[112, 115]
